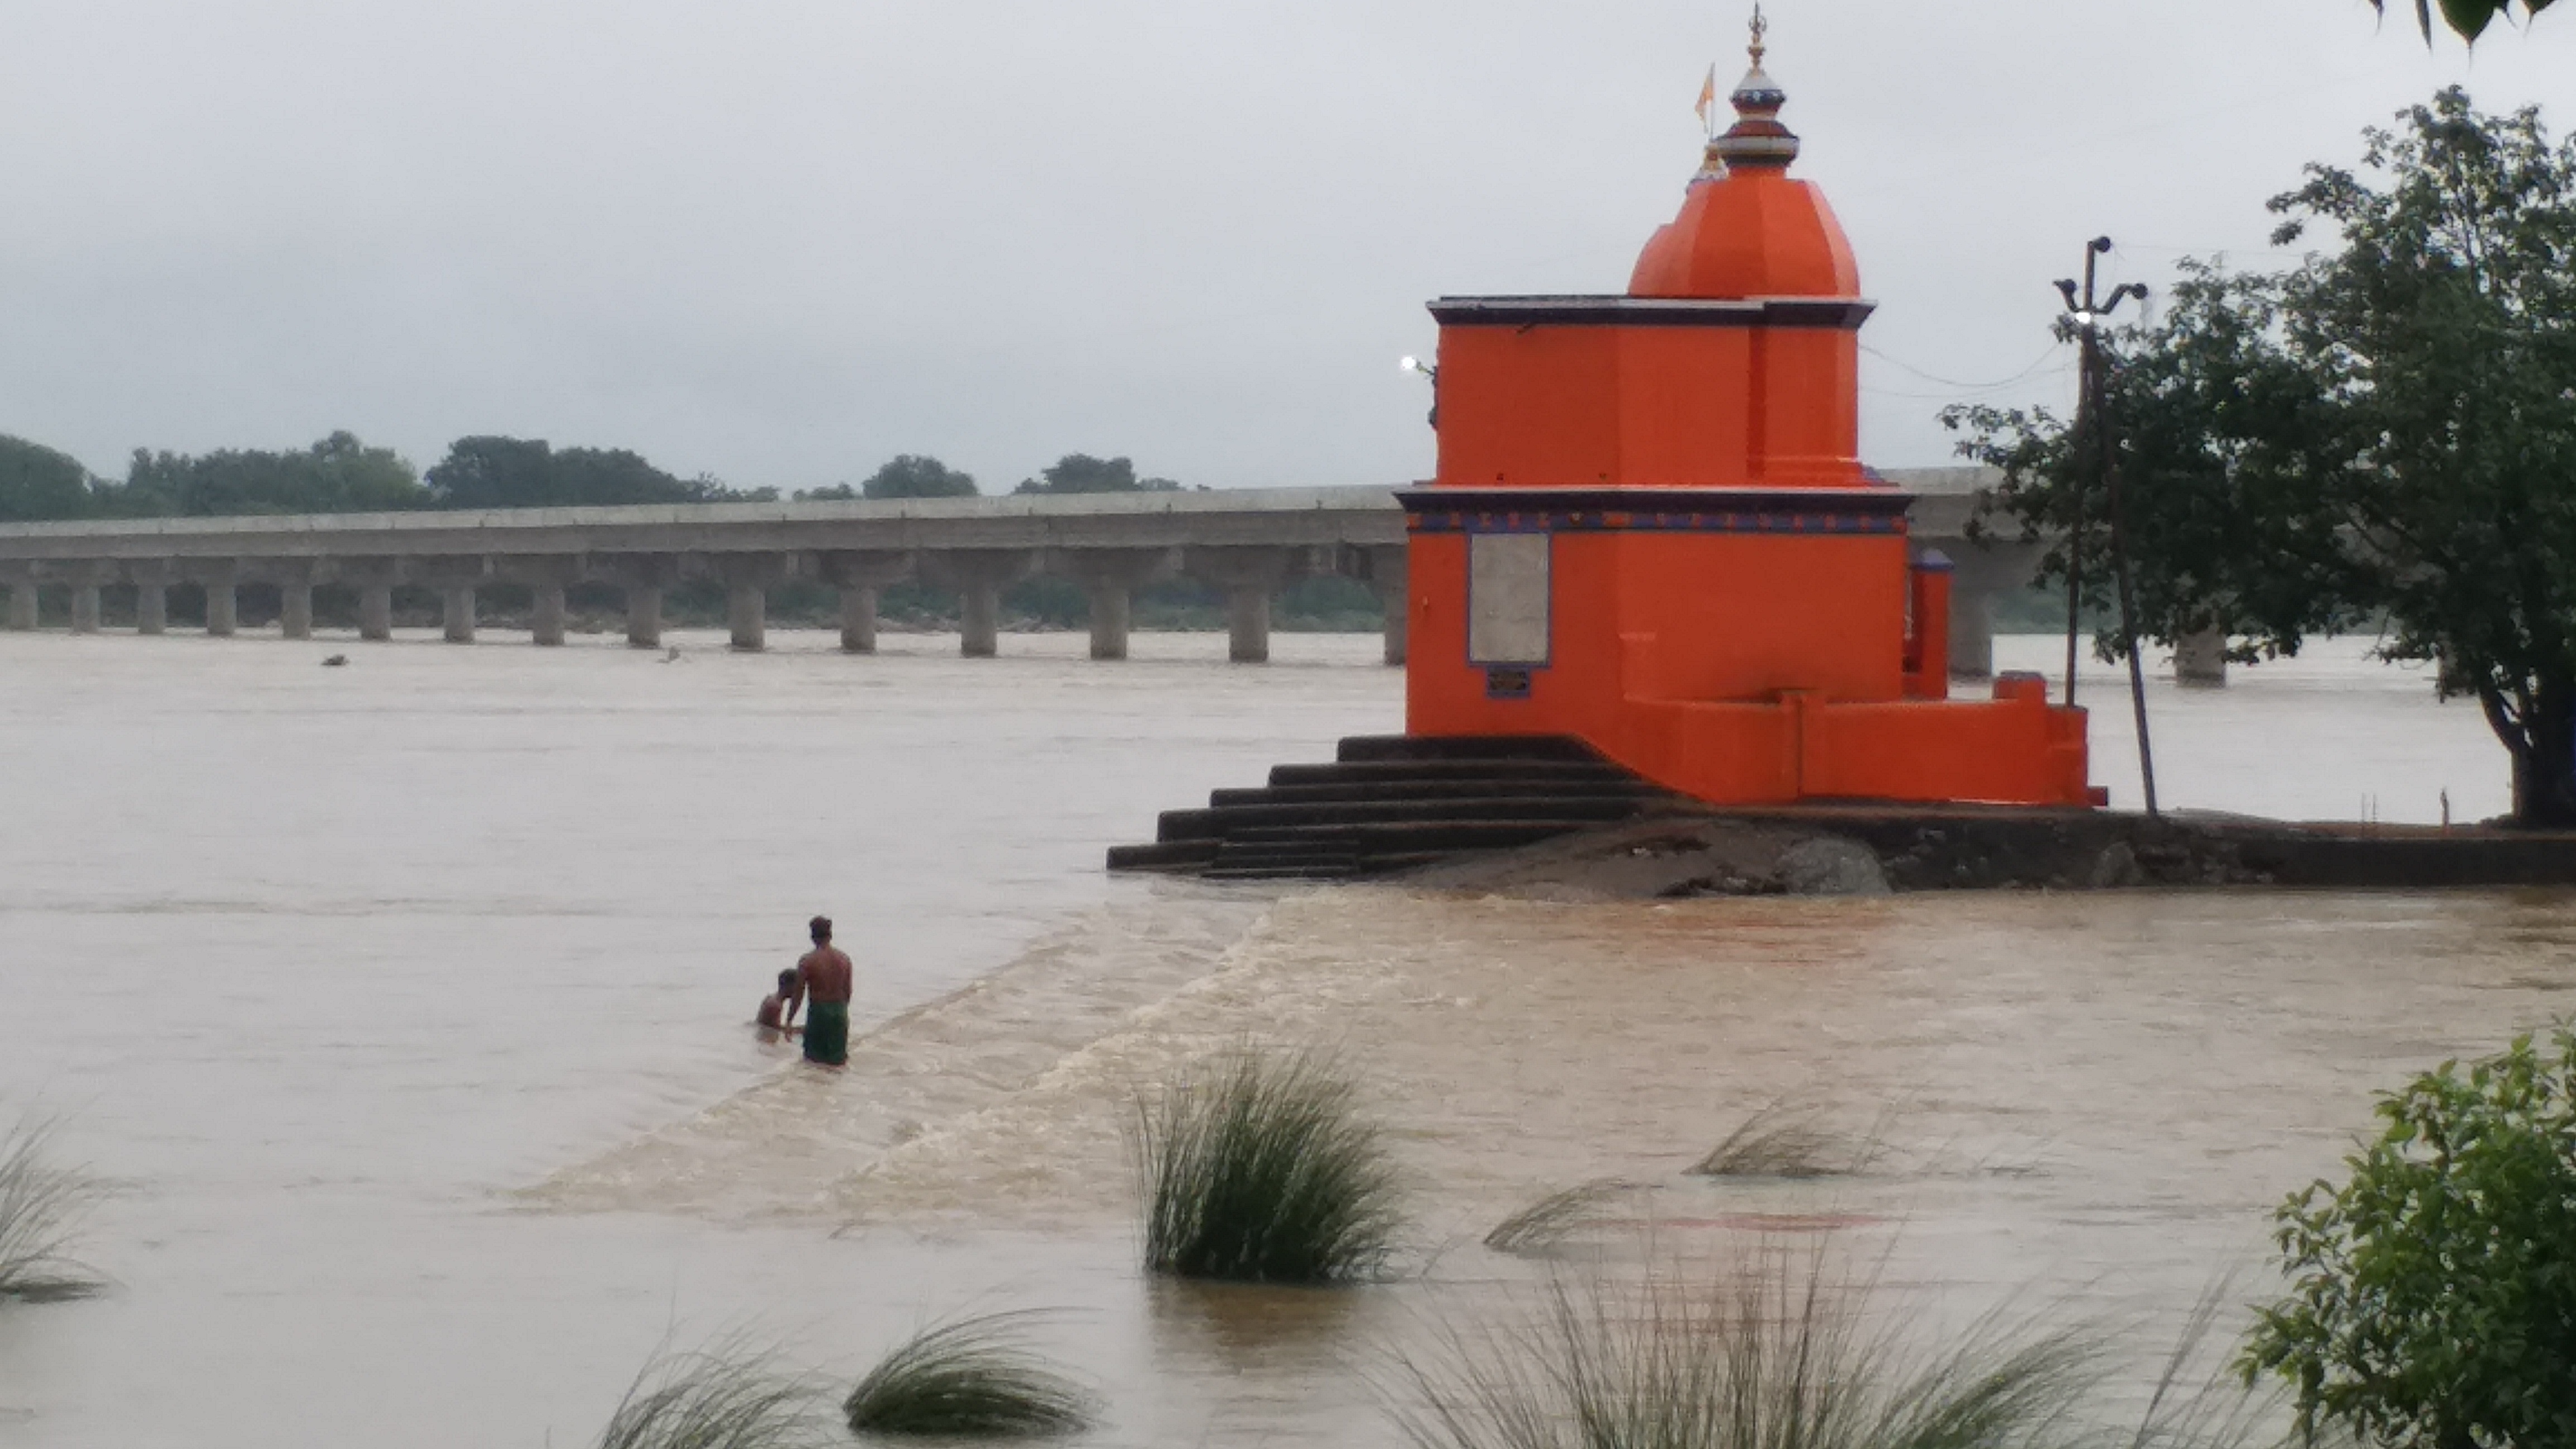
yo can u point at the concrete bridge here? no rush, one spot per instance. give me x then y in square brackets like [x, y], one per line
[1250, 543]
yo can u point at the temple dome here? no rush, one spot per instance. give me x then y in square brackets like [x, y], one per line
[1747, 229]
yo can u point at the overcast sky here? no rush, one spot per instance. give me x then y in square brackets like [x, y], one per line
[781, 240]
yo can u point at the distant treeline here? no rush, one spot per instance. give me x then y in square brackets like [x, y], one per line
[342, 474]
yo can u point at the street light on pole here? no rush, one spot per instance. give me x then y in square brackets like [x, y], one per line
[2090, 315]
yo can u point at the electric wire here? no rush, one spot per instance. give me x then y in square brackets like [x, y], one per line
[2036, 364]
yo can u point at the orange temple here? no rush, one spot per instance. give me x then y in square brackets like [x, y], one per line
[1651, 529]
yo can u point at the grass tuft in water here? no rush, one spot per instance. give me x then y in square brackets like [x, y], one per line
[724, 1398]
[1549, 1221]
[1781, 1140]
[1775, 1358]
[974, 1378]
[1258, 1167]
[41, 1207]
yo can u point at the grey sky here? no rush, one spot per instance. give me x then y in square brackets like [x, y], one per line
[781, 240]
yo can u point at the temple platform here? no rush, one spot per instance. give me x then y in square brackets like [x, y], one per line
[1548, 815]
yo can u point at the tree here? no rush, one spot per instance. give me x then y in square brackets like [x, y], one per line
[499, 472]
[2470, 18]
[605, 477]
[2387, 431]
[2433, 1299]
[2214, 424]
[915, 475]
[39, 483]
[492, 472]
[339, 474]
[1083, 473]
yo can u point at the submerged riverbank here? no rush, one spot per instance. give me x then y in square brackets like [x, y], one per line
[1875, 850]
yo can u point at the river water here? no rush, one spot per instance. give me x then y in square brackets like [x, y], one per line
[402, 1006]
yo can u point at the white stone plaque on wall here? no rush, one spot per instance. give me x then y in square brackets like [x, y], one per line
[1507, 598]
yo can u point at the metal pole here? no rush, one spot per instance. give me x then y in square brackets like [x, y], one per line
[2128, 598]
[2093, 426]
[2083, 419]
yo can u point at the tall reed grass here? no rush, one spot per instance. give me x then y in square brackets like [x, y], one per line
[1548, 1222]
[1780, 1139]
[973, 1378]
[1258, 1166]
[1776, 1357]
[41, 1208]
[726, 1397]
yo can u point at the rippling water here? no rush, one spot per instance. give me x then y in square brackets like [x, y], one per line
[402, 1001]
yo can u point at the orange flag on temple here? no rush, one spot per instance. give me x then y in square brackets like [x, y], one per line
[1707, 96]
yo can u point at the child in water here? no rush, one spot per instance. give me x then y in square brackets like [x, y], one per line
[778, 1008]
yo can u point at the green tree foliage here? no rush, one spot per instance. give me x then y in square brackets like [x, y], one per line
[2468, 17]
[2433, 1303]
[1083, 473]
[37, 483]
[2215, 423]
[914, 475]
[339, 474]
[498, 472]
[2388, 430]
[494, 472]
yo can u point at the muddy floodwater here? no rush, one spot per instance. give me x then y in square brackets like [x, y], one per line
[403, 1004]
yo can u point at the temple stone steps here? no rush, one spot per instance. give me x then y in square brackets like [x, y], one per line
[1390, 803]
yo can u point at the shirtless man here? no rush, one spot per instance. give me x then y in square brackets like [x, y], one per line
[823, 978]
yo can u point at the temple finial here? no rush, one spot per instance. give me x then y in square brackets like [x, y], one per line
[1757, 140]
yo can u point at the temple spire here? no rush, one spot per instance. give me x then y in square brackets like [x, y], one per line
[1757, 139]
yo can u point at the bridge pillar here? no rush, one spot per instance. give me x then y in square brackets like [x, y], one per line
[151, 597]
[1249, 576]
[22, 600]
[748, 579]
[1111, 576]
[1972, 630]
[458, 613]
[859, 575]
[747, 616]
[978, 575]
[1247, 624]
[222, 581]
[643, 577]
[2201, 659]
[1113, 616]
[546, 579]
[295, 600]
[858, 620]
[1981, 570]
[375, 611]
[546, 613]
[456, 577]
[979, 618]
[374, 579]
[1389, 574]
[85, 601]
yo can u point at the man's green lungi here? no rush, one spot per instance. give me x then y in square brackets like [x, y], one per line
[827, 1033]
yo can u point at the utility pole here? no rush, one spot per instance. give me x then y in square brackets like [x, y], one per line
[2093, 425]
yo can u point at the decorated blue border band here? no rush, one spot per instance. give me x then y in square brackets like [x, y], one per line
[1873, 512]
[1625, 521]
